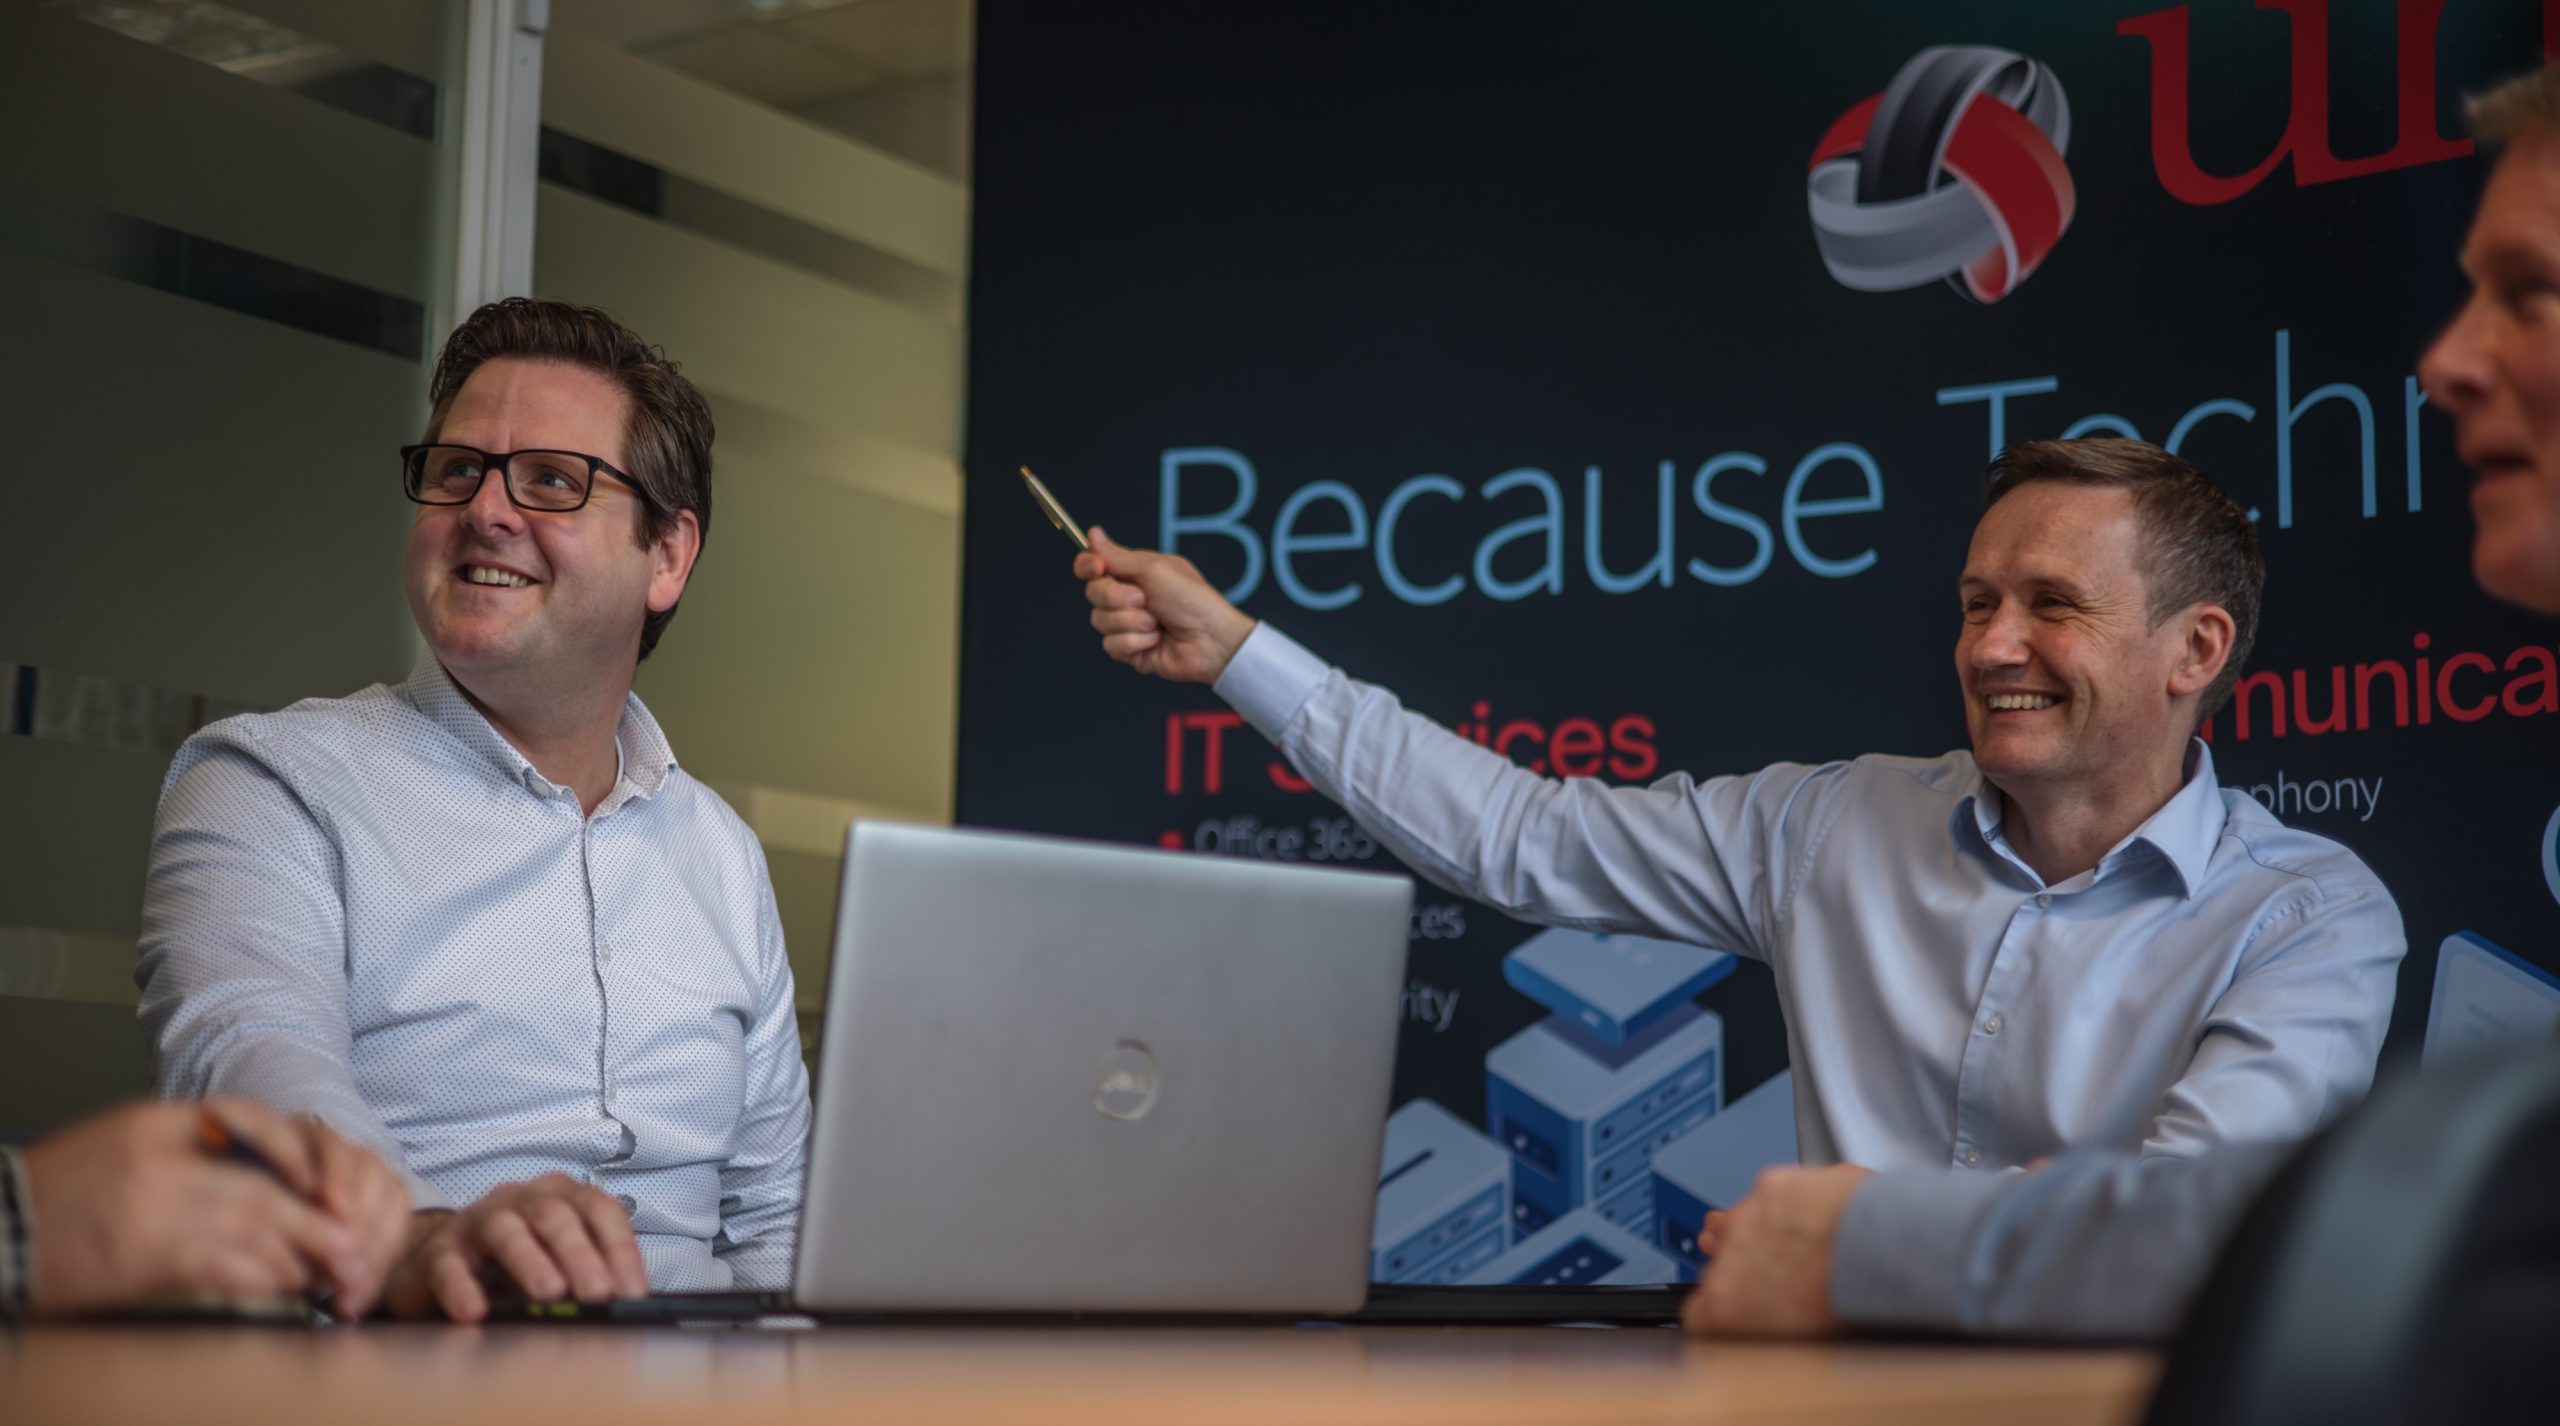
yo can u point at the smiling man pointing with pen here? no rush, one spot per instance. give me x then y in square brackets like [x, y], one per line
[2070, 935]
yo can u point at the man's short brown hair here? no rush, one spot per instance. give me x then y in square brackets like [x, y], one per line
[667, 444]
[2529, 103]
[2198, 546]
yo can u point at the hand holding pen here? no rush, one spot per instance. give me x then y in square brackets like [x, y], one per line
[224, 1198]
[354, 1187]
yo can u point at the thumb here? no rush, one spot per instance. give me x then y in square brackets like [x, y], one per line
[1118, 560]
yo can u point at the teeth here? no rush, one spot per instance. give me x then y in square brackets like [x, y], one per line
[2021, 702]
[482, 574]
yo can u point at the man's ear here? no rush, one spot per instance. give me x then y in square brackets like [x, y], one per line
[671, 558]
[2204, 651]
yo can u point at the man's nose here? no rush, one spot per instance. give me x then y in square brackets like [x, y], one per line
[2456, 371]
[491, 514]
[2000, 641]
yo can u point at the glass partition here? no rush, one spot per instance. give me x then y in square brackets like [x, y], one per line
[217, 250]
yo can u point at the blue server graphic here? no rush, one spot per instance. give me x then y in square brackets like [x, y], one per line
[1582, 1118]
[1577, 1250]
[1713, 1168]
[1444, 1198]
[1611, 986]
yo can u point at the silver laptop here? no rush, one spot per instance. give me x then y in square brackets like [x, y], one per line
[1062, 1076]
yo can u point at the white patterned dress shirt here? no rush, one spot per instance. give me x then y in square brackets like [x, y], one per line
[2217, 978]
[374, 910]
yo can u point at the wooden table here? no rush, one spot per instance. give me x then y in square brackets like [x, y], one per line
[390, 1375]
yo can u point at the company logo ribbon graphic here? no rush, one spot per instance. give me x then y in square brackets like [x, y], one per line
[1954, 171]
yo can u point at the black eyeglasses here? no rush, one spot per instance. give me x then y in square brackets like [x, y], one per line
[554, 481]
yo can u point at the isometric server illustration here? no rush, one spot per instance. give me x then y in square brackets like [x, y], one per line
[1712, 1169]
[1611, 986]
[1577, 1250]
[1444, 1198]
[1625, 1065]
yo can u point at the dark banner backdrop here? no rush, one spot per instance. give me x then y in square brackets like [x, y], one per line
[1489, 350]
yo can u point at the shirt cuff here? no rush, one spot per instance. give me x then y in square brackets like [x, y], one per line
[1270, 678]
[423, 1196]
[1900, 1257]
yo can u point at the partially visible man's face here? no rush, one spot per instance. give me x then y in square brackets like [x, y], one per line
[571, 588]
[2066, 683]
[2497, 369]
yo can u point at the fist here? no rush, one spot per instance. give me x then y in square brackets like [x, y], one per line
[1157, 614]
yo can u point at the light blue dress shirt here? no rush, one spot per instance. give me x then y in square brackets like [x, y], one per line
[2216, 978]
[374, 910]
[2099, 1245]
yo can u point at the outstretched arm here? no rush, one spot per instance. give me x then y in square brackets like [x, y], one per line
[1707, 864]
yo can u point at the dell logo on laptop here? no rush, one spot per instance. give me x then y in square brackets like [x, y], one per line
[1124, 1082]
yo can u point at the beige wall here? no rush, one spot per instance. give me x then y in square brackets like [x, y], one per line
[811, 674]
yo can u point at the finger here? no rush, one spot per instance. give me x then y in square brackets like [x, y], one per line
[1119, 559]
[456, 1288]
[1088, 565]
[237, 1221]
[1123, 621]
[504, 1236]
[610, 1224]
[344, 1187]
[381, 1194]
[1108, 593]
[241, 1257]
[305, 1235]
[1122, 646]
[382, 1226]
[240, 1270]
[274, 1137]
[563, 1232]
[351, 1192]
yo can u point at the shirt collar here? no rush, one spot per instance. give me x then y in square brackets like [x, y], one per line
[2184, 831]
[646, 757]
[2189, 826]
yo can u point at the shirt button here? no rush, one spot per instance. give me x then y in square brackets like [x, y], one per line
[1972, 1158]
[2044, 898]
[608, 1092]
[1992, 1025]
[603, 951]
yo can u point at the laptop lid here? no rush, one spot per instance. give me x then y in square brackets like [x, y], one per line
[1063, 1076]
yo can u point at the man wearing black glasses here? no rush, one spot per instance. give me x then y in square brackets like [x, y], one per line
[481, 921]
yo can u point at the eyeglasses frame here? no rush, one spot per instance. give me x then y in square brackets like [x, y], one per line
[504, 463]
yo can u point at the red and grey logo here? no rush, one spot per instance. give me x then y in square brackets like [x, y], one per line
[1954, 171]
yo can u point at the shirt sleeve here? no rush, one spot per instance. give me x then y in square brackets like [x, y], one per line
[2103, 1246]
[760, 1184]
[243, 965]
[2291, 1044]
[1709, 864]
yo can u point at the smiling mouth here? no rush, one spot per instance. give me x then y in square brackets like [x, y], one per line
[2019, 702]
[495, 578]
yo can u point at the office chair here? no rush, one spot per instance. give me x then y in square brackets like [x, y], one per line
[2405, 1267]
